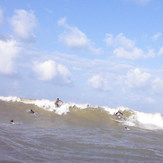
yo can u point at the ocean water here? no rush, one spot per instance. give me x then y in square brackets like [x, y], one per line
[77, 133]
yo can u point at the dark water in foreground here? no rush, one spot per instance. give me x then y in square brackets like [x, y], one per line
[48, 137]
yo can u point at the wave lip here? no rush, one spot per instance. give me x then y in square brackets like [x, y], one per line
[152, 121]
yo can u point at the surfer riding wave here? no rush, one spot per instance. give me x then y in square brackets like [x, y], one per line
[58, 102]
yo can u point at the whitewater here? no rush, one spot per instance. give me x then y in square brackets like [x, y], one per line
[77, 133]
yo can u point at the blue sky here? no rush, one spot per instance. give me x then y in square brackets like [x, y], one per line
[106, 53]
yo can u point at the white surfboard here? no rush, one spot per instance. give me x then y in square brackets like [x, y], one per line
[118, 120]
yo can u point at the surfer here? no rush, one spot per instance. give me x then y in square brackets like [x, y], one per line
[58, 102]
[31, 111]
[127, 128]
[118, 114]
[12, 122]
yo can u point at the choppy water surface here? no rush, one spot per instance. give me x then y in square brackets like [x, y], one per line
[80, 135]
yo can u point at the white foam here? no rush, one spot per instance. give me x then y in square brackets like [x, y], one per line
[112, 111]
[138, 119]
[147, 120]
[10, 98]
[46, 104]
[151, 121]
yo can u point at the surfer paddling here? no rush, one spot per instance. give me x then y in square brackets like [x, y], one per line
[31, 111]
[12, 122]
[58, 102]
[127, 128]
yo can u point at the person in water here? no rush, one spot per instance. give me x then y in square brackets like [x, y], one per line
[127, 128]
[58, 102]
[118, 114]
[12, 122]
[31, 111]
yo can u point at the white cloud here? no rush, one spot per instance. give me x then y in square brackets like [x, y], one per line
[73, 38]
[99, 82]
[151, 53]
[49, 70]
[9, 50]
[132, 54]
[136, 78]
[45, 70]
[64, 73]
[23, 23]
[119, 41]
[123, 47]
[62, 22]
[156, 36]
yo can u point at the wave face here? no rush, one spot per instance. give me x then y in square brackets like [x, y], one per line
[75, 114]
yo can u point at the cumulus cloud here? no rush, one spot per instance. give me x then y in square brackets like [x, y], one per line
[9, 50]
[99, 82]
[23, 23]
[123, 47]
[137, 78]
[73, 38]
[49, 70]
[45, 70]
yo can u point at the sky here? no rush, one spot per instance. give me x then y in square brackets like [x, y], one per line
[104, 53]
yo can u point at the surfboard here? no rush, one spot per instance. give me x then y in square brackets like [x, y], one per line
[118, 120]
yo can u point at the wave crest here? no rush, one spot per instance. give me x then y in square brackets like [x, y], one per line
[96, 115]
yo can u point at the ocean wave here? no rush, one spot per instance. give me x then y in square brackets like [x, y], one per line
[95, 114]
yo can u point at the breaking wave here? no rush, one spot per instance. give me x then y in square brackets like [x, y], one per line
[86, 114]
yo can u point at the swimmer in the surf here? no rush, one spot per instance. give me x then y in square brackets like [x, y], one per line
[31, 111]
[57, 102]
[12, 122]
[127, 128]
